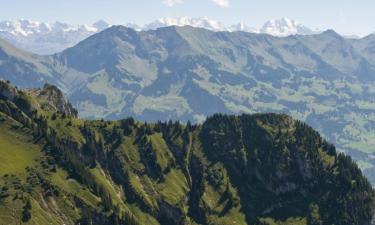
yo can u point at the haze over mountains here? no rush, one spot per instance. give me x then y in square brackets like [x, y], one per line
[173, 72]
[48, 38]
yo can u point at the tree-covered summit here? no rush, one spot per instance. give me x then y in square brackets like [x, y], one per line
[248, 169]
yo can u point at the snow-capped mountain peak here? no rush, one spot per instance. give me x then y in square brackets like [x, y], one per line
[46, 38]
[101, 25]
[285, 27]
[200, 22]
[242, 27]
[49, 38]
[24, 27]
[281, 27]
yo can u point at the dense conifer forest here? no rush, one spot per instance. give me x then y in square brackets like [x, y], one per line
[246, 169]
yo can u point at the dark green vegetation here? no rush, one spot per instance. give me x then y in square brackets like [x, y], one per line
[185, 73]
[249, 169]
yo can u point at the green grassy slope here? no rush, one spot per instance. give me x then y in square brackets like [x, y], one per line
[249, 169]
[22, 161]
[17, 149]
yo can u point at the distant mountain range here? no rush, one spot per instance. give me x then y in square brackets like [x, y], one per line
[187, 73]
[281, 27]
[48, 38]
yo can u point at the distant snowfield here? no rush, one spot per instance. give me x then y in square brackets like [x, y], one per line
[49, 38]
[46, 38]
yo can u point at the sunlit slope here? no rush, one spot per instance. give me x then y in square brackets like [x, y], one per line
[187, 73]
[248, 169]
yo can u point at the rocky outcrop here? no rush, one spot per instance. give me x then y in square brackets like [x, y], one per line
[7, 91]
[54, 99]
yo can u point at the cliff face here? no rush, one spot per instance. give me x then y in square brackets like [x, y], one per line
[48, 98]
[54, 100]
[249, 169]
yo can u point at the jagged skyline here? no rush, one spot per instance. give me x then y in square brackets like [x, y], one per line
[57, 36]
[345, 17]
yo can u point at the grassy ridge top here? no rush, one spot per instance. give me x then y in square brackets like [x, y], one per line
[249, 169]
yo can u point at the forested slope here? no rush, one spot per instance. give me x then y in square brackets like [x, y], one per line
[248, 169]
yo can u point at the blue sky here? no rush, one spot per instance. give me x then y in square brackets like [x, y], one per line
[344, 16]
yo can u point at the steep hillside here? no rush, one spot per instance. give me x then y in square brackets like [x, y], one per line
[186, 73]
[34, 189]
[30, 70]
[249, 169]
[24, 69]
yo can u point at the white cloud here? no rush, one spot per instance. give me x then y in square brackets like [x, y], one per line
[222, 3]
[171, 3]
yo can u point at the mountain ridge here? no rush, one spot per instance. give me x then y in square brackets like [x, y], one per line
[189, 73]
[247, 169]
[48, 38]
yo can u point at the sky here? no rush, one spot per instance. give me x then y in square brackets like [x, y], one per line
[349, 17]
